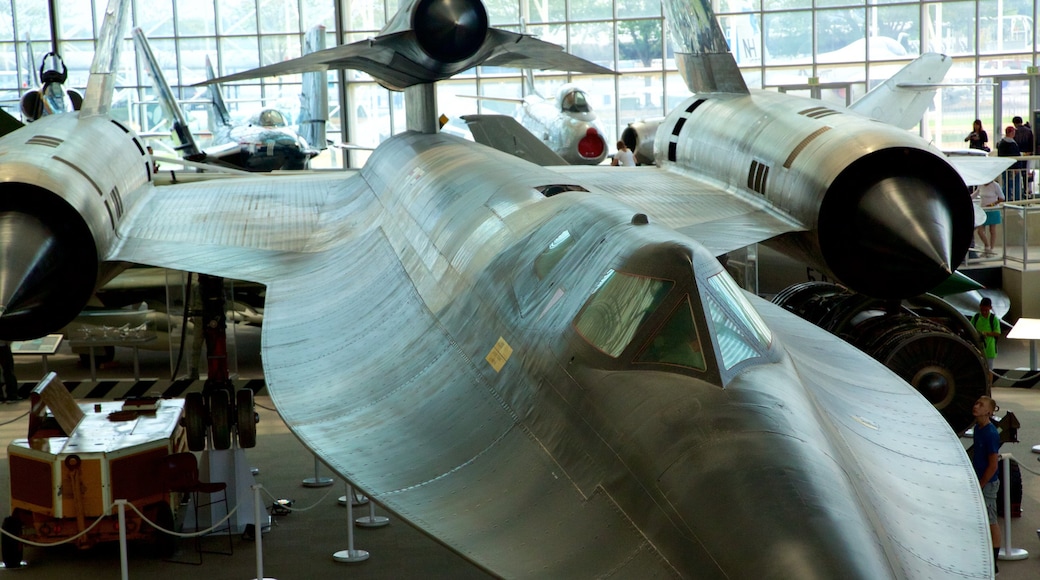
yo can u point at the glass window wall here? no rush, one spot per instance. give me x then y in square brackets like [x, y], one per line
[777, 43]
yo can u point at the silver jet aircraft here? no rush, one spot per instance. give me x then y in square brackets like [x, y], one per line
[264, 142]
[566, 124]
[552, 386]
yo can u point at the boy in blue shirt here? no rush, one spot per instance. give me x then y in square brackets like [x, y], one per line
[985, 457]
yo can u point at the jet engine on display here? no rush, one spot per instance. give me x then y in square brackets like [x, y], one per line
[555, 354]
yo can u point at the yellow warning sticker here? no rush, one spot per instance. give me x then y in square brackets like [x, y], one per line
[499, 354]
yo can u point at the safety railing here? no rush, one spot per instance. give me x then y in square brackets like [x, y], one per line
[120, 506]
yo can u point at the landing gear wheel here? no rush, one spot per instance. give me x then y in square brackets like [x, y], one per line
[220, 418]
[195, 421]
[246, 418]
[10, 548]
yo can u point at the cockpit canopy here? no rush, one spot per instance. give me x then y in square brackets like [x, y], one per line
[271, 118]
[571, 99]
[683, 325]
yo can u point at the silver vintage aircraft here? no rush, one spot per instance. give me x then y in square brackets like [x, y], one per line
[566, 124]
[264, 142]
[553, 386]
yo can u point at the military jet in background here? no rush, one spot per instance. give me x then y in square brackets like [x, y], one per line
[567, 125]
[264, 142]
[51, 97]
[596, 383]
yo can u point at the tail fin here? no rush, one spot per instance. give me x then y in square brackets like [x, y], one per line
[32, 77]
[314, 102]
[97, 100]
[185, 145]
[903, 99]
[704, 59]
[220, 112]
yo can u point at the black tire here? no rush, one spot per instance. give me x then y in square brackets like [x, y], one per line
[10, 548]
[195, 421]
[164, 544]
[220, 418]
[246, 418]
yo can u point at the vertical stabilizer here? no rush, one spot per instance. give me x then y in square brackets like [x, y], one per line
[903, 99]
[314, 102]
[32, 77]
[220, 114]
[185, 140]
[97, 100]
[701, 53]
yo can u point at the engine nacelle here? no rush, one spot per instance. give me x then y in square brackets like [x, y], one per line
[639, 137]
[63, 207]
[924, 340]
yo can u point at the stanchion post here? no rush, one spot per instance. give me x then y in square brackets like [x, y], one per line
[258, 532]
[124, 565]
[1006, 551]
[372, 520]
[350, 554]
[317, 480]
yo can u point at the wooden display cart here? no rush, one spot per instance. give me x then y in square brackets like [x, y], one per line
[80, 457]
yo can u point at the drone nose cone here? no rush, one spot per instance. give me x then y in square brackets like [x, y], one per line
[904, 238]
[43, 281]
[897, 225]
[26, 260]
[450, 30]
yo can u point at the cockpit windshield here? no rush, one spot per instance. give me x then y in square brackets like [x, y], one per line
[272, 118]
[677, 342]
[618, 306]
[575, 102]
[739, 330]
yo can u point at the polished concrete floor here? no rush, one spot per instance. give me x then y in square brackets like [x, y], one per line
[301, 545]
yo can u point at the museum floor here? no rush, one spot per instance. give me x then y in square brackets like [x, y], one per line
[301, 545]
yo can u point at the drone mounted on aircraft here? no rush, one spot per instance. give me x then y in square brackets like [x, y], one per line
[559, 372]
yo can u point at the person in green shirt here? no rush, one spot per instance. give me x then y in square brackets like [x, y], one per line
[988, 326]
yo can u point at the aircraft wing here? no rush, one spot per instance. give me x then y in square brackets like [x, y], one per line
[321, 246]
[720, 220]
[507, 135]
[979, 170]
[381, 58]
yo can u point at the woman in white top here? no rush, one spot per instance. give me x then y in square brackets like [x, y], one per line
[624, 156]
[990, 196]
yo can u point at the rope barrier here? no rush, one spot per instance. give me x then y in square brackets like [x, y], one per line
[1022, 465]
[1030, 377]
[308, 508]
[185, 534]
[18, 418]
[59, 542]
[103, 516]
